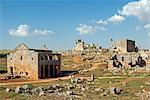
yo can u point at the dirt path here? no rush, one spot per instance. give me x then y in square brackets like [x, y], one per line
[65, 78]
[41, 80]
[61, 78]
[34, 81]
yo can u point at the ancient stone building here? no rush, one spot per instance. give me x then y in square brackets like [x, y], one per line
[81, 45]
[131, 59]
[125, 45]
[33, 63]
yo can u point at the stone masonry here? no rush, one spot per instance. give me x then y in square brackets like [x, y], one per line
[125, 45]
[33, 63]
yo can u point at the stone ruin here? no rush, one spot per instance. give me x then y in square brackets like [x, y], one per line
[81, 45]
[33, 63]
[122, 54]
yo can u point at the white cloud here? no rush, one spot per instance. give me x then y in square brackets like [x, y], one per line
[137, 28]
[24, 30]
[116, 19]
[139, 9]
[147, 26]
[21, 31]
[100, 28]
[89, 29]
[85, 29]
[103, 28]
[102, 22]
[42, 32]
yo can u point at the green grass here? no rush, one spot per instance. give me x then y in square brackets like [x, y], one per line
[107, 80]
[11, 96]
[135, 84]
[2, 88]
[5, 51]
[3, 67]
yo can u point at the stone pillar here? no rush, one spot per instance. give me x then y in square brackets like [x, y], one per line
[43, 71]
[40, 71]
[48, 70]
[59, 67]
[92, 77]
[54, 70]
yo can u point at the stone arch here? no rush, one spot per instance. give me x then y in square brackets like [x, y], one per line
[45, 57]
[41, 57]
[50, 57]
[55, 57]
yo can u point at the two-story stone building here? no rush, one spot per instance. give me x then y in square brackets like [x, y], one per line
[33, 63]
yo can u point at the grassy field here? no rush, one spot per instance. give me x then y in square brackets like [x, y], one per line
[3, 67]
[132, 86]
[5, 51]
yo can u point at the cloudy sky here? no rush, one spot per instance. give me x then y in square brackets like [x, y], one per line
[58, 23]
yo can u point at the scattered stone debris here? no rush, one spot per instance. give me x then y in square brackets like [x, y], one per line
[26, 87]
[115, 90]
[19, 89]
[92, 77]
[69, 92]
[76, 80]
[143, 94]
[8, 89]
[99, 89]
[42, 93]
[147, 82]
[74, 89]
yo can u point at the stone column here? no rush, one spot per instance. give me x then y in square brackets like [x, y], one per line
[40, 71]
[49, 70]
[43, 71]
[92, 77]
[53, 70]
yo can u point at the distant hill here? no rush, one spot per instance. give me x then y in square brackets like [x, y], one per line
[5, 51]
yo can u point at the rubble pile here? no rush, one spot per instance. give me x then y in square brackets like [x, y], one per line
[76, 88]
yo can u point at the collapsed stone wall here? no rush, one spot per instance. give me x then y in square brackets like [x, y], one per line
[129, 60]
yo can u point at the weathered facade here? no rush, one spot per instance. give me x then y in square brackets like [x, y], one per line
[133, 59]
[125, 45]
[33, 63]
[79, 45]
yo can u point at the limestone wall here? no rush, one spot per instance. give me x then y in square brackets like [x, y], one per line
[24, 63]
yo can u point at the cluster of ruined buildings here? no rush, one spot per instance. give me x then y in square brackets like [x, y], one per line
[81, 45]
[43, 63]
[123, 45]
[123, 53]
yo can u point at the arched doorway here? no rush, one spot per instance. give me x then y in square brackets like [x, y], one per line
[11, 70]
[41, 76]
[46, 71]
[51, 70]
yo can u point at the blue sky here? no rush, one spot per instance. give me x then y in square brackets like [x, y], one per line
[58, 23]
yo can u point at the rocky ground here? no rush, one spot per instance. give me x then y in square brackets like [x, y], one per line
[95, 88]
[92, 80]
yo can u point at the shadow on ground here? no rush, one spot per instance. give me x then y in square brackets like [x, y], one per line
[67, 73]
[3, 71]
